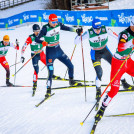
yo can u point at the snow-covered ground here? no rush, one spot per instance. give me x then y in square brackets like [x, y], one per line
[63, 113]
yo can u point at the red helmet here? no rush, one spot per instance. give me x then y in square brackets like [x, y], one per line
[53, 17]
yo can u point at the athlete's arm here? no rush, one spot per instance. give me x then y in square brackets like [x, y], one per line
[78, 38]
[66, 28]
[41, 34]
[124, 43]
[28, 41]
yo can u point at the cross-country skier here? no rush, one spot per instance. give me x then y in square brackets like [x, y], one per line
[51, 34]
[98, 38]
[125, 48]
[4, 46]
[36, 48]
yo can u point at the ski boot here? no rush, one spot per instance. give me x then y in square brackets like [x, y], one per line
[34, 88]
[48, 93]
[9, 84]
[126, 85]
[100, 113]
[98, 97]
[74, 83]
[98, 93]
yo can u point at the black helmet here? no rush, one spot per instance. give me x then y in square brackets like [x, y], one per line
[36, 27]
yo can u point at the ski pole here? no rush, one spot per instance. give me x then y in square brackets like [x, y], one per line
[43, 68]
[25, 63]
[16, 63]
[113, 32]
[70, 59]
[107, 86]
[83, 66]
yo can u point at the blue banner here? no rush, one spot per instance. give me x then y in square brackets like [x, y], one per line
[114, 18]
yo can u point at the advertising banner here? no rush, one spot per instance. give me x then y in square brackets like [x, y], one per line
[113, 18]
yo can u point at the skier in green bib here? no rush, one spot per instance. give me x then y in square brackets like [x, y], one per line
[122, 62]
[4, 47]
[51, 34]
[36, 48]
[98, 38]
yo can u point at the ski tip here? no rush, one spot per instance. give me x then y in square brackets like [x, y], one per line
[81, 123]
[13, 75]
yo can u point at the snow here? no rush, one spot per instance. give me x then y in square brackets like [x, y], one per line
[62, 113]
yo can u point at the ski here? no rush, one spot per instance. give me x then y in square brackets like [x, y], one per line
[44, 100]
[94, 127]
[69, 87]
[118, 115]
[16, 86]
[126, 90]
[59, 78]
[97, 106]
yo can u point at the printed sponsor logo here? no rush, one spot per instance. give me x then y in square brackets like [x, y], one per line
[124, 36]
[26, 17]
[86, 19]
[45, 17]
[33, 16]
[69, 18]
[49, 60]
[2, 23]
[124, 19]
[101, 18]
[116, 83]
[15, 20]
[10, 22]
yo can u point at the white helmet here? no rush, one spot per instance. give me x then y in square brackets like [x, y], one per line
[132, 21]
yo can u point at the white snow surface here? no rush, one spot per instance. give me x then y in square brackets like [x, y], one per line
[62, 113]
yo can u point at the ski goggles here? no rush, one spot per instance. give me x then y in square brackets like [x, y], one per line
[6, 42]
[54, 22]
[36, 30]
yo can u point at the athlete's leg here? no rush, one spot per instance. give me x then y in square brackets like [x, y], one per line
[116, 82]
[43, 57]
[5, 64]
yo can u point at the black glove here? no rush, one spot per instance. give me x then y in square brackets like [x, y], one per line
[22, 59]
[79, 31]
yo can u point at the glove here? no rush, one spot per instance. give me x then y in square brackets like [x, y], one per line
[133, 41]
[22, 59]
[17, 46]
[44, 43]
[79, 31]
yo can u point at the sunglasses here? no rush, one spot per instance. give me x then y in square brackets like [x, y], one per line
[54, 22]
[7, 42]
[98, 29]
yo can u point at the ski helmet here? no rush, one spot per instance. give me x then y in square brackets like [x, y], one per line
[132, 21]
[53, 17]
[6, 38]
[36, 27]
[96, 23]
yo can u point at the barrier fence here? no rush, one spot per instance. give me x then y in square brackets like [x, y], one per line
[113, 18]
[11, 3]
